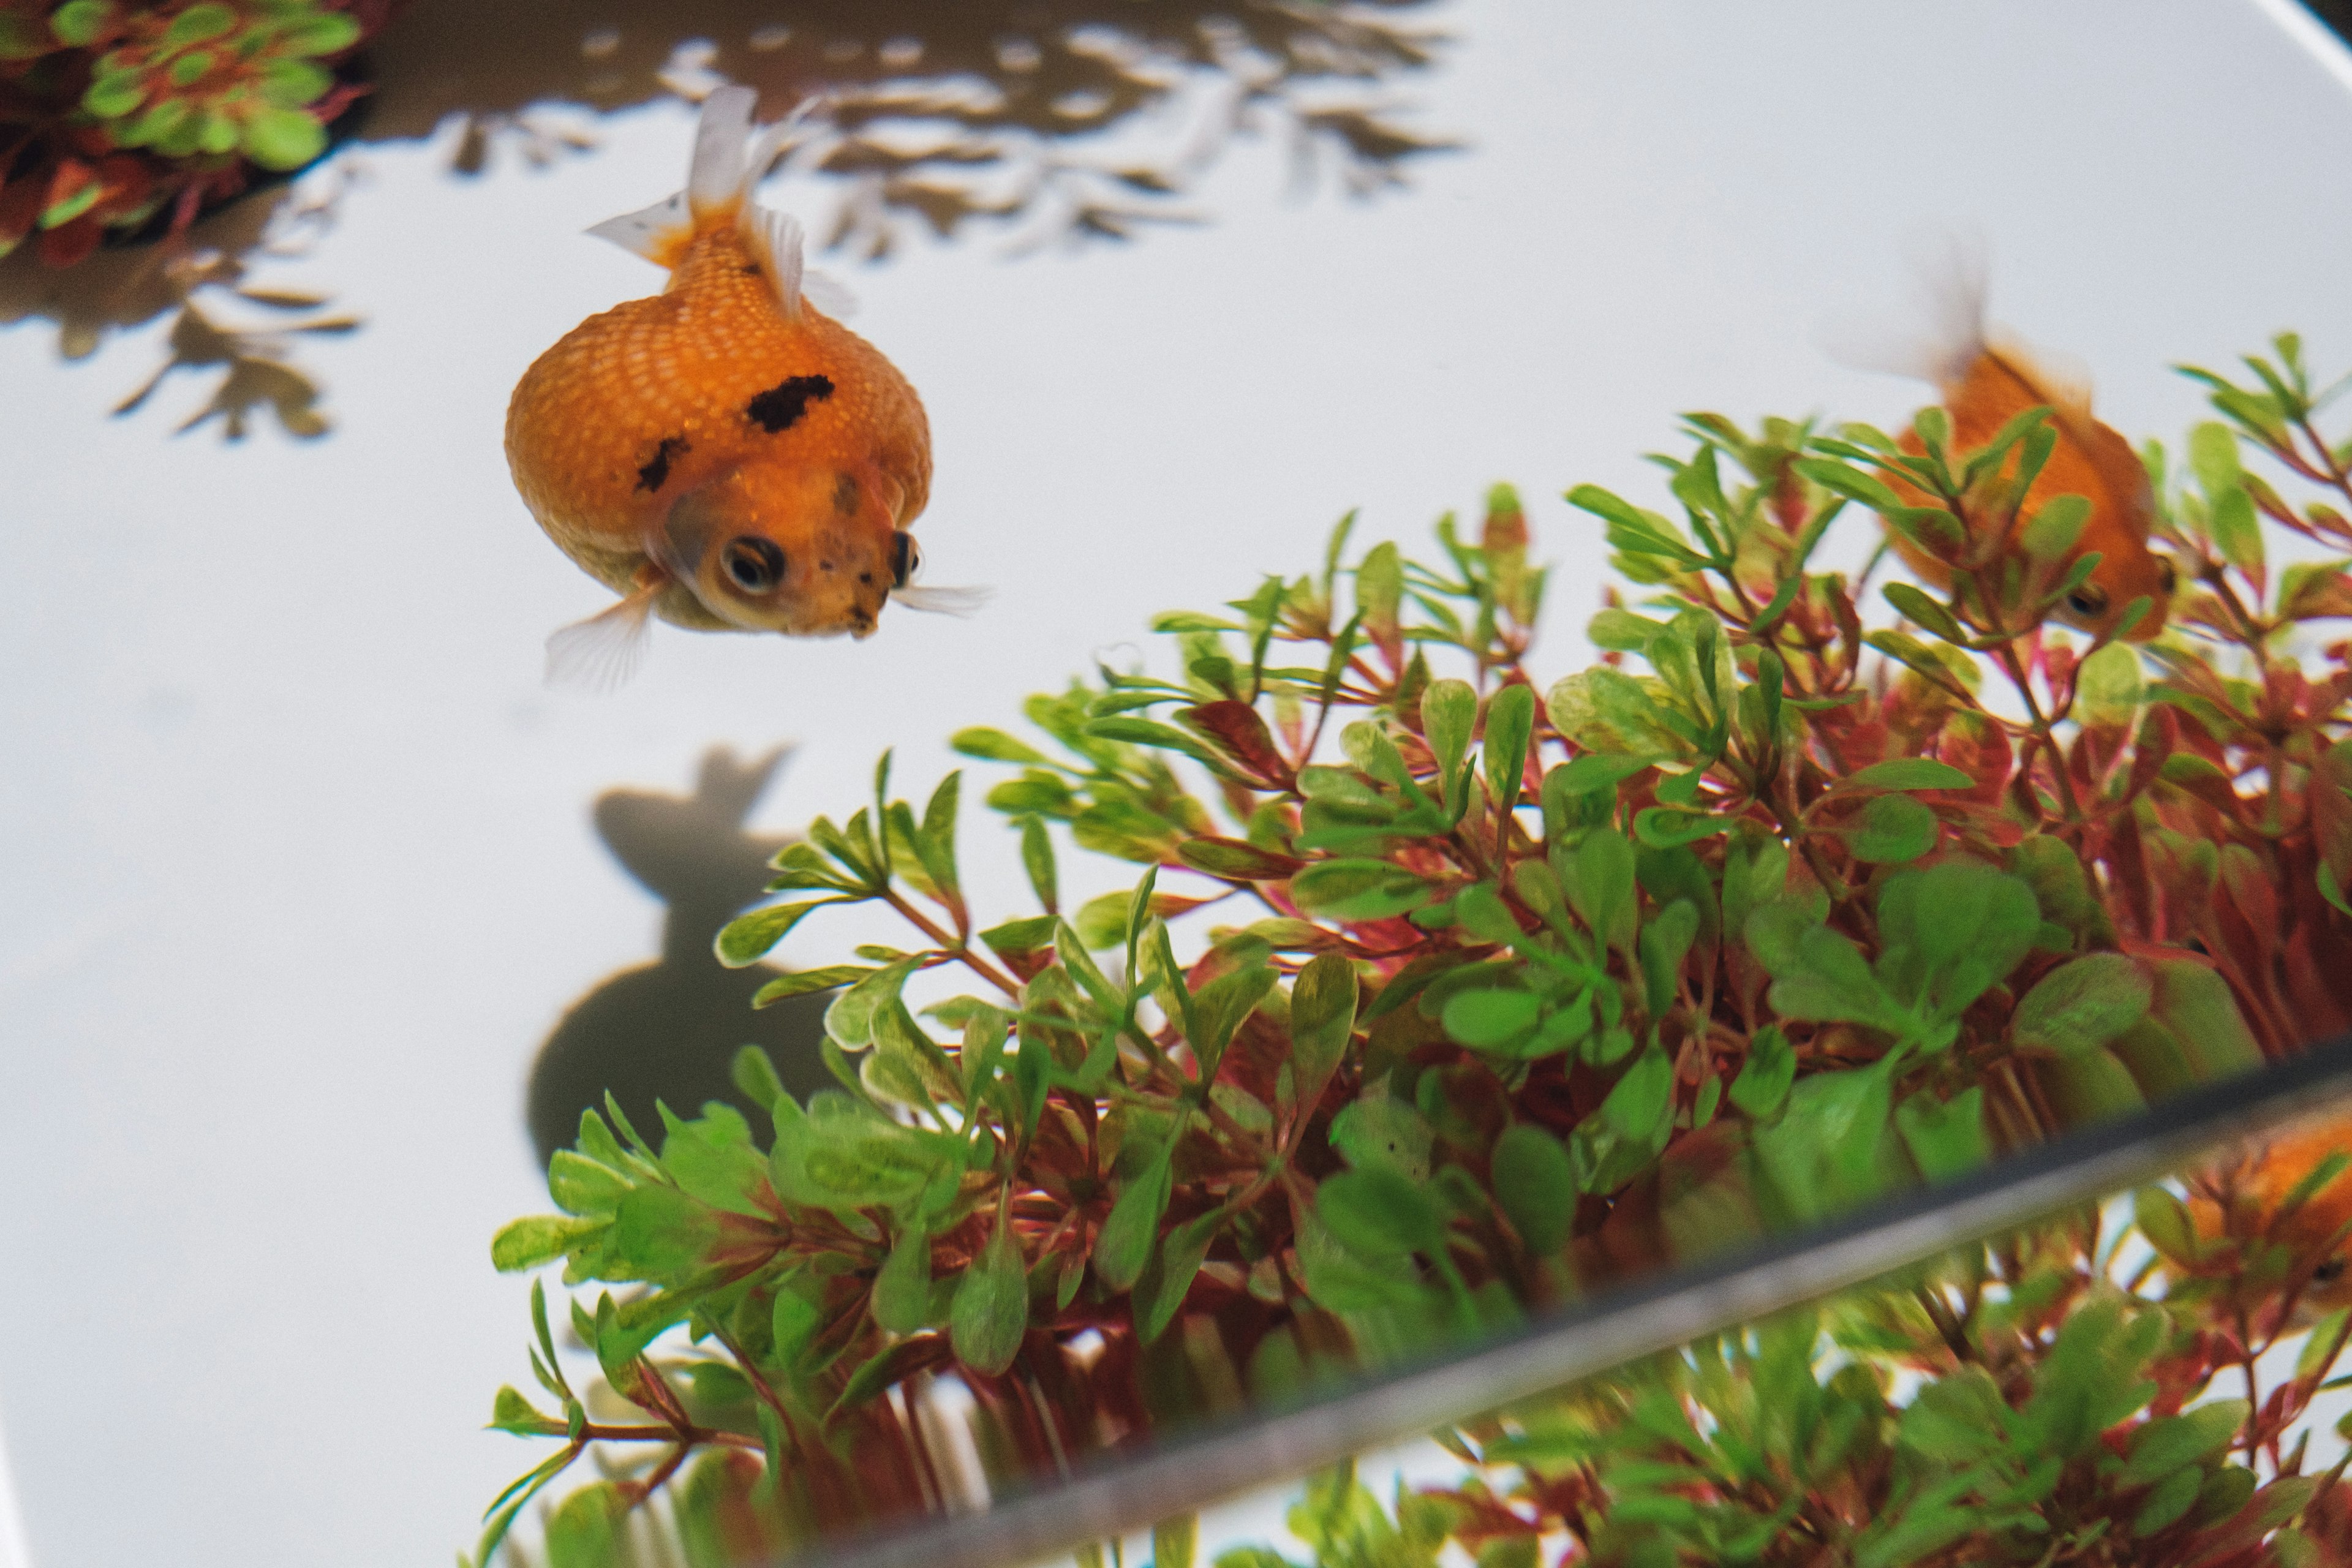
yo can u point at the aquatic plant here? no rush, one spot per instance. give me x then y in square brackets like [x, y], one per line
[115, 114]
[1490, 996]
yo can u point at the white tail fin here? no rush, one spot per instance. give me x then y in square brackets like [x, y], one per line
[601, 653]
[1945, 331]
[729, 159]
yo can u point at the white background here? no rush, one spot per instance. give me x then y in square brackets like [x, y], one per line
[296, 869]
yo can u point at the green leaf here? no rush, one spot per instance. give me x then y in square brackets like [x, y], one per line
[1173, 1541]
[1219, 1009]
[320, 33]
[1385, 1132]
[1449, 710]
[79, 22]
[283, 139]
[902, 1288]
[538, 1240]
[712, 1158]
[1125, 1245]
[1353, 891]
[2109, 688]
[1927, 612]
[1236, 861]
[1510, 727]
[1643, 1099]
[991, 1312]
[995, 746]
[1323, 1001]
[1765, 1076]
[1602, 887]
[1946, 1138]
[1377, 1213]
[510, 1412]
[2169, 1442]
[1666, 943]
[1893, 829]
[2170, 1500]
[198, 23]
[110, 97]
[1906, 773]
[663, 1234]
[290, 84]
[2055, 527]
[747, 939]
[1169, 1277]
[1490, 1016]
[1535, 1186]
[2081, 1005]
[1033, 934]
[1037, 860]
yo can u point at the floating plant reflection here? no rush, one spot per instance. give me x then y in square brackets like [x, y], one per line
[1082, 118]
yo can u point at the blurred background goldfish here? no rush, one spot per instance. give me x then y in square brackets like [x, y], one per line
[2292, 1190]
[723, 455]
[1986, 378]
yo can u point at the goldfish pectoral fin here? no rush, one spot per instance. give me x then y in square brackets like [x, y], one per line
[933, 601]
[601, 653]
[828, 293]
[776, 242]
[650, 232]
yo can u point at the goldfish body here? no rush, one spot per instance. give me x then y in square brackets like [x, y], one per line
[2318, 1233]
[722, 455]
[1986, 380]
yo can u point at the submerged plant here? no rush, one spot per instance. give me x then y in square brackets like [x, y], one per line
[1488, 997]
[115, 114]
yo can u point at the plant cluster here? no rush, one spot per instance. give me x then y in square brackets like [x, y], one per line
[115, 114]
[1492, 996]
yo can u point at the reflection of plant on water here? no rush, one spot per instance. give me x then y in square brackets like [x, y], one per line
[1081, 118]
[204, 279]
[1047, 119]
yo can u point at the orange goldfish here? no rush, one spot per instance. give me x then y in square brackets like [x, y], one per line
[1985, 379]
[2317, 1235]
[722, 455]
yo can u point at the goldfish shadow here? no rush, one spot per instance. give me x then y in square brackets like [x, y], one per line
[669, 1030]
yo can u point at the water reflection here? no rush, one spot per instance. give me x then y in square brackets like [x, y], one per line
[670, 1029]
[203, 280]
[1063, 117]
[1048, 120]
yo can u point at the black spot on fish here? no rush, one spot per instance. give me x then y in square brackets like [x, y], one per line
[751, 270]
[865, 576]
[653, 475]
[845, 496]
[779, 407]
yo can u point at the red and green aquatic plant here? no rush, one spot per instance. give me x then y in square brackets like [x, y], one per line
[116, 114]
[1442, 996]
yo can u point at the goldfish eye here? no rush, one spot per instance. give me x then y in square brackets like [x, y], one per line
[2089, 601]
[2165, 574]
[2329, 1272]
[905, 559]
[754, 565]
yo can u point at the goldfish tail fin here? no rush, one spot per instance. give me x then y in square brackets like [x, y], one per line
[957, 601]
[656, 233]
[1945, 330]
[721, 172]
[775, 241]
[601, 653]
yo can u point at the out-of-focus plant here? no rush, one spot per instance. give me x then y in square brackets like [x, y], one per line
[1489, 997]
[116, 115]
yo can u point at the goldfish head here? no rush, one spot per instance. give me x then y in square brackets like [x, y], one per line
[2099, 603]
[806, 551]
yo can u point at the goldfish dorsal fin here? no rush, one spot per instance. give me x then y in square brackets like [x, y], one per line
[1945, 330]
[721, 169]
[653, 232]
[601, 653]
[775, 241]
[958, 602]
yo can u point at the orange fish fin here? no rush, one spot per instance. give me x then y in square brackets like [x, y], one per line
[958, 602]
[601, 653]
